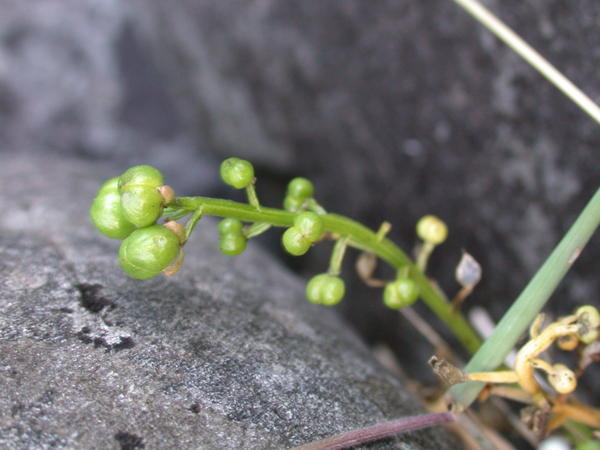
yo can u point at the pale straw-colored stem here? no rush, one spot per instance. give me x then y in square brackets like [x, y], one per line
[537, 61]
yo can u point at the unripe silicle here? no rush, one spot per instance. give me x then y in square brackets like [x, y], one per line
[293, 204]
[300, 188]
[106, 212]
[141, 175]
[141, 200]
[325, 289]
[232, 244]
[148, 251]
[230, 226]
[237, 172]
[400, 293]
[310, 225]
[141, 205]
[432, 229]
[294, 242]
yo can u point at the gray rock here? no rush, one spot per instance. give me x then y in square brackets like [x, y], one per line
[72, 81]
[225, 354]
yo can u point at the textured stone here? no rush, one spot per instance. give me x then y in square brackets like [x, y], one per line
[225, 354]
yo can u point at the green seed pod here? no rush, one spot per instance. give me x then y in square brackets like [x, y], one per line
[310, 225]
[141, 175]
[293, 204]
[300, 188]
[401, 292]
[148, 251]
[141, 205]
[432, 229]
[106, 212]
[232, 244]
[230, 226]
[294, 242]
[325, 289]
[237, 172]
[141, 199]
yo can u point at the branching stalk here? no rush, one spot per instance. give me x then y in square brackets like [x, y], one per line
[359, 237]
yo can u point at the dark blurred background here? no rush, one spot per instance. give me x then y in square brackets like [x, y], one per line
[394, 108]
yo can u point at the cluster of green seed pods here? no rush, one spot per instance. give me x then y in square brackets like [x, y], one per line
[127, 207]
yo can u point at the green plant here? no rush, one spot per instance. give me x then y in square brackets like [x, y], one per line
[305, 226]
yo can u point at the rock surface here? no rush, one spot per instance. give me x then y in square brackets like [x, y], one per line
[225, 354]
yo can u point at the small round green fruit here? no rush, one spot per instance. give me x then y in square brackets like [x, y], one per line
[310, 224]
[232, 244]
[148, 251]
[106, 212]
[141, 175]
[141, 200]
[230, 226]
[432, 229]
[293, 204]
[237, 172]
[401, 292]
[300, 188]
[294, 242]
[325, 289]
[141, 205]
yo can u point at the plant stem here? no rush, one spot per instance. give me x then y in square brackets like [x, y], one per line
[537, 61]
[531, 300]
[252, 197]
[423, 256]
[256, 229]
[337, 255]
[359, 237]
[379, 431]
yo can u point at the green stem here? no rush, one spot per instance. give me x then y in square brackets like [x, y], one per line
[424, 254]
[528, 305]
[314, 206]
[252, 197]
[337, 255]
[360, 237]
[189, 227]
[256, 229]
